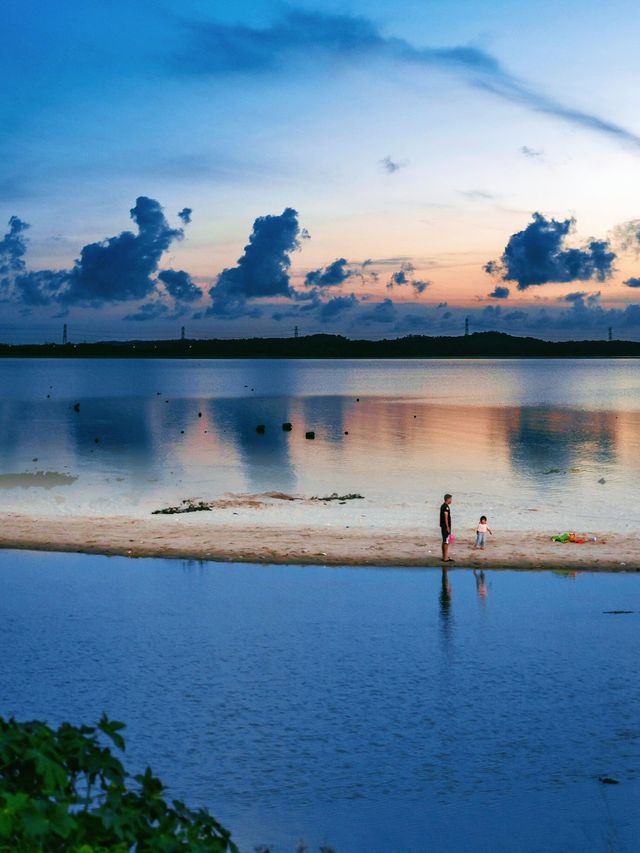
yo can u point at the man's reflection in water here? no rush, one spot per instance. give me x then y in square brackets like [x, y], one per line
[481, 585]
[446, 616]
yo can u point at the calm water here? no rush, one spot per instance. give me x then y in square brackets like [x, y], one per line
[507, 438]
[377, 710]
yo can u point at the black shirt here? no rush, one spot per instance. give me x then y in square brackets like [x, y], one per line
[445, 517]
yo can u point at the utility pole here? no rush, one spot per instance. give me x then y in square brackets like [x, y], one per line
[65, 339]
[182, 333]
[466, 327]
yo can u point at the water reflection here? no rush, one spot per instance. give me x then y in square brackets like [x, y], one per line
[264, 456]
[394, 450]
[481, 585]
[553, 440]
[445, 601]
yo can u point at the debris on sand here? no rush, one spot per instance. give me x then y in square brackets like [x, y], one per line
[186, 506]
[354, 496]
[229, 501]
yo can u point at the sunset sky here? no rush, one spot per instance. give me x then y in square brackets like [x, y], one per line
[396, 169]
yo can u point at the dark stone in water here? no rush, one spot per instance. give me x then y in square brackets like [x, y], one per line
[260, 429]
[97, 440]
[607, 780]
[310, 434]
[287, 427]
[199, 414]
[76, 407]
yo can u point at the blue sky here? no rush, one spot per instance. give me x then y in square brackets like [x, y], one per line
[414, 145]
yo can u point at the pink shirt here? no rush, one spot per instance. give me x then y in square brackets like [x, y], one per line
[482, 527]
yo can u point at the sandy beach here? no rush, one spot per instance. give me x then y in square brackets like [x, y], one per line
[278, 529]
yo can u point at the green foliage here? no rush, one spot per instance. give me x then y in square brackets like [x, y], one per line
[64, 790]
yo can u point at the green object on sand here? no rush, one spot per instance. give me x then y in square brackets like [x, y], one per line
[561, 537]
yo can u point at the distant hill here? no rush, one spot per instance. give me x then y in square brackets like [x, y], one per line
[477, 345]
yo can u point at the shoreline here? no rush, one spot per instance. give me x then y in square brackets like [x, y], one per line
[219, 540]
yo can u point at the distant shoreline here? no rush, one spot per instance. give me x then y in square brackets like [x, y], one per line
[219, 540]
[494, 345]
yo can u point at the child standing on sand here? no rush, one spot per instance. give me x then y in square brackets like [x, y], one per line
[481, 530]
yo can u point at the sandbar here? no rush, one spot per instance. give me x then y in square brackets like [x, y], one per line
[331, 535]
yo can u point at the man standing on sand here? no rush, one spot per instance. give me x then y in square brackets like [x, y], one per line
[445, 528]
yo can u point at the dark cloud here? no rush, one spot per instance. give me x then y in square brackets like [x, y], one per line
[576, 296]
[179, 285]
[632, 282]
[537, 256]
[121, 268]
[41, 287]
[263, 268]
[581, 299]
[185, 215]
[221, 49]
[403, 278]
[17, 284]
[499, 293]
[332, 275]
[382, 312]
[413, 323]
[13, 248]
[336, 307]
[149, 311]
[391, 166]
[117, 269]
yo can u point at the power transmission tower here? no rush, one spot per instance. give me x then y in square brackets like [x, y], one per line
[295, 332]
[182, 333]
[466, 326]
[65, 339]
[610, 333]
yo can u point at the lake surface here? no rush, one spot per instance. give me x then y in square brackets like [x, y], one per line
[525, 442]
[375, 710]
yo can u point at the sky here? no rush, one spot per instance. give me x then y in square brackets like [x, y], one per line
[244, 168]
